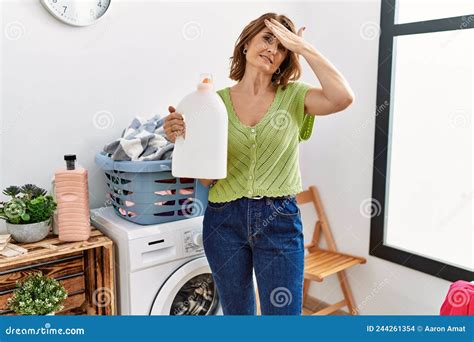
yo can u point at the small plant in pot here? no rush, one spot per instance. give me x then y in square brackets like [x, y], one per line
[28, 213]
[37, 294]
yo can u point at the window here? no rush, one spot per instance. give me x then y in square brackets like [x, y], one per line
[422, 191]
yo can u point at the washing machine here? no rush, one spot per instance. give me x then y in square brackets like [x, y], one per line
[160, 269]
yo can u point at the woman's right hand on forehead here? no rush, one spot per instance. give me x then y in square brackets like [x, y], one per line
[174, 125]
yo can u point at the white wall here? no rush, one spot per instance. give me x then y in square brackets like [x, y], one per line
[72, 90]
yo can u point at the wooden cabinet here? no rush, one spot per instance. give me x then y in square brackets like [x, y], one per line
[85, 268]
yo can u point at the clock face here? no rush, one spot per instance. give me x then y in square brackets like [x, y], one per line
[77, 12]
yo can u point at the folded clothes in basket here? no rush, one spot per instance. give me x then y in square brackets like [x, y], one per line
[144, 139]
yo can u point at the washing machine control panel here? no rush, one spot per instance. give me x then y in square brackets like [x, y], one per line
[193, 241]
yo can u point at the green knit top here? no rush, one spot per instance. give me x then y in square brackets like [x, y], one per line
[263, 160]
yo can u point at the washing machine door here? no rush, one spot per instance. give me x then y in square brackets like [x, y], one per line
[190, 290]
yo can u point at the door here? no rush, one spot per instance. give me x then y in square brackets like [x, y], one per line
[190, 290]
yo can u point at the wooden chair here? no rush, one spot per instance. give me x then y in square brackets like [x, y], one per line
[321, 263]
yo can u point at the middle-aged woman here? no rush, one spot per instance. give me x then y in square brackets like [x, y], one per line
[252, 221]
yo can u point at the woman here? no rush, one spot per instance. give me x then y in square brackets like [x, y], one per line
[252, 220]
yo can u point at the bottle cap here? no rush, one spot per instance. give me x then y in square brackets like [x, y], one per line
[69, 157]
[205, 78]
[70, 161]
[205, 82]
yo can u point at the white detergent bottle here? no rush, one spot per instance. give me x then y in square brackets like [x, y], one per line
[202, 153]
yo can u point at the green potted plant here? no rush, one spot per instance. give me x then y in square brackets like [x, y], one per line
[28, 213]
[37, 294]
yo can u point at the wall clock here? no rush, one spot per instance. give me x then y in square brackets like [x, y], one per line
[77, 12]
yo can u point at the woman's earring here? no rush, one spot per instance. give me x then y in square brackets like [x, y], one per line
[277, 71]
[245, 51]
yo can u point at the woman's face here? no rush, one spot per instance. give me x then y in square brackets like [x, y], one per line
[265, 52]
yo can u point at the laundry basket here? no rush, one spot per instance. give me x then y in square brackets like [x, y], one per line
[145, 192]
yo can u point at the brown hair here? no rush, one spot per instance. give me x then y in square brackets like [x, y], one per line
[290, 68]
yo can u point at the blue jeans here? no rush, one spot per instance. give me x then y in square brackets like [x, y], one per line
[265, 234]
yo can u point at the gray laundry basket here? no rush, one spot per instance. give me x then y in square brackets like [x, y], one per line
[145, 192]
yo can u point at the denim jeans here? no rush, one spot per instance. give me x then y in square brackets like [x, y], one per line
[262, 234]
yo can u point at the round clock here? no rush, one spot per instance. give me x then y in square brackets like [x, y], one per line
[77, 12]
